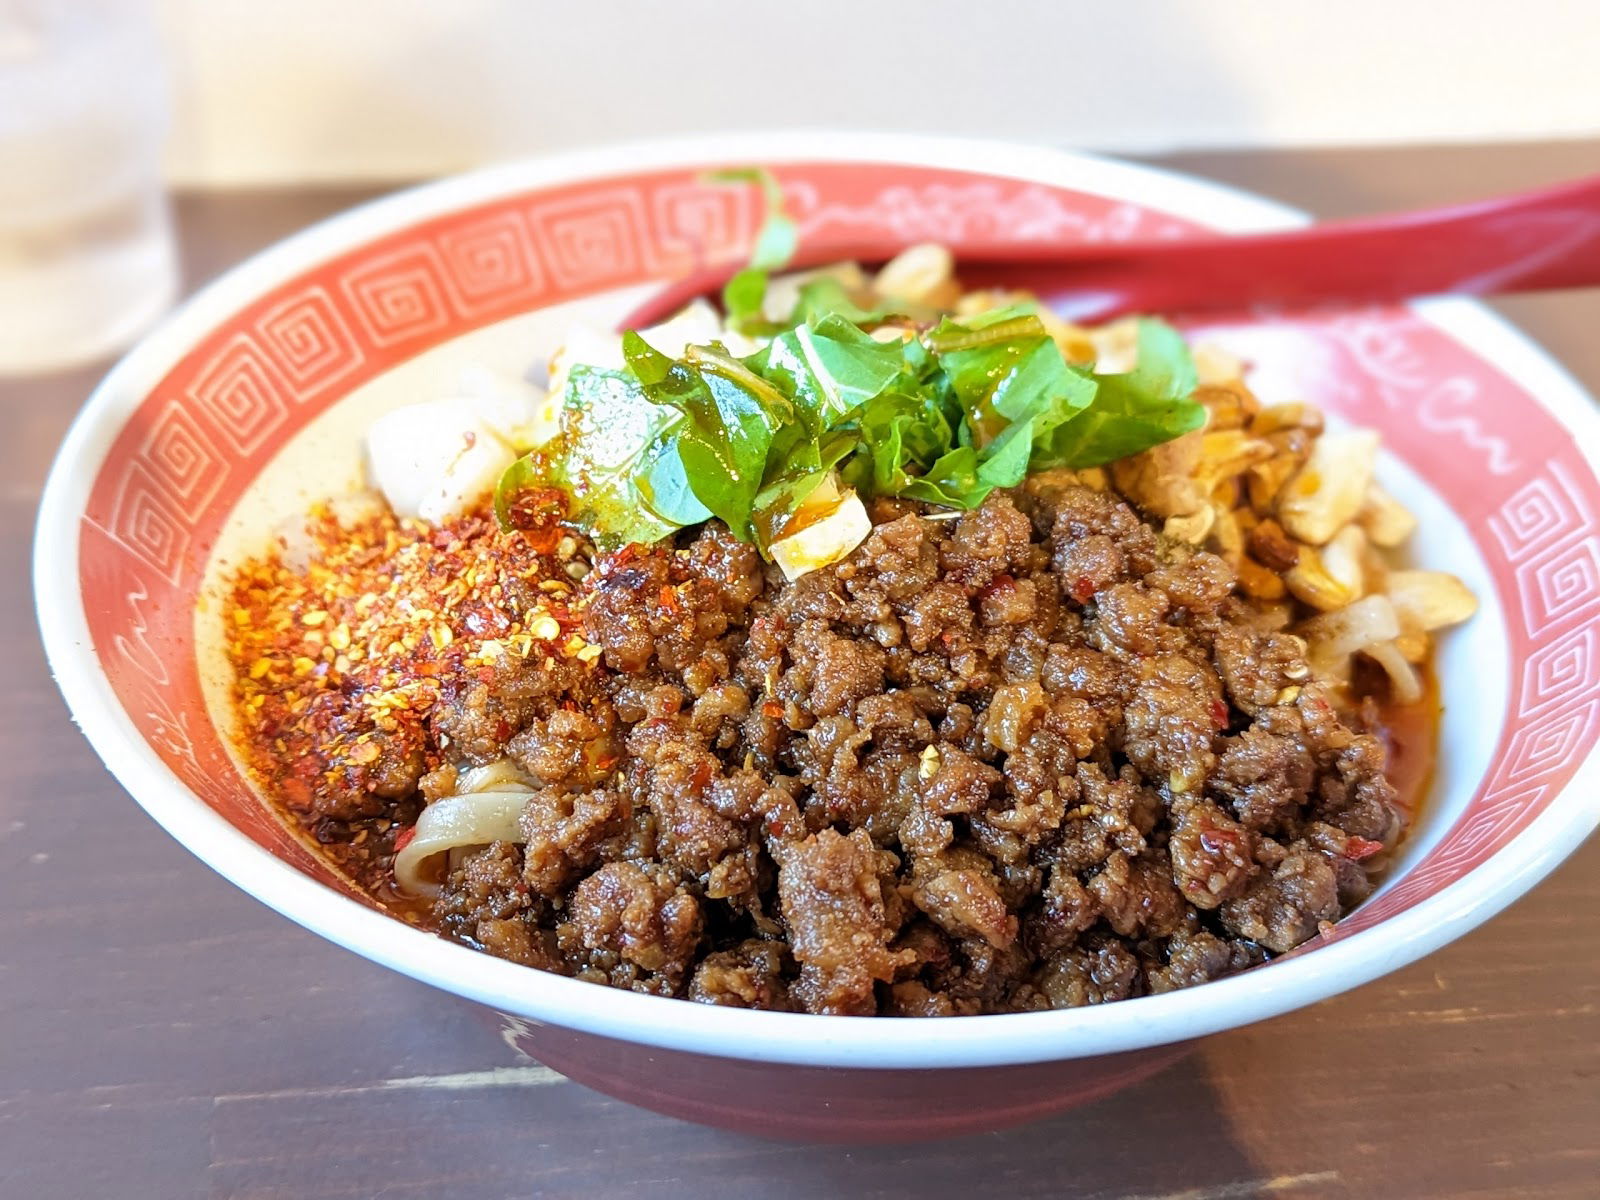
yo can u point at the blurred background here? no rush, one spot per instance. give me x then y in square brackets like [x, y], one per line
[382, 89]
[109, 106]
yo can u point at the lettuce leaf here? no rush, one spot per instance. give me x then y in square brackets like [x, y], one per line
[1008, 371]
[829, 369]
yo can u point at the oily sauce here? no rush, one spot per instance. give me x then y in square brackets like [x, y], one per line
[1410, 737]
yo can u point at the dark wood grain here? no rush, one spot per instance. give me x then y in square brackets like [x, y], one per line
[163, 1035]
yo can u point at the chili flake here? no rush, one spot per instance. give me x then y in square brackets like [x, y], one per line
[337, 659]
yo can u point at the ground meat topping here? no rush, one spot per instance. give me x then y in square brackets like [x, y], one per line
[831, 889]
[622, 912]
[1036, 756]
[752, 975]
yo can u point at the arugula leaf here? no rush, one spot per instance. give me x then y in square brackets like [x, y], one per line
[649, 366]
[903, 435]
[730, 416]
[944, 417]
[991, 328]
[1004, 461]
[1007, 371]
[742, 295]
[964, 477]
[830, 372]
[1150, 404]
[609, 460]
[801, 468]
[829, 369]
[941, 471]
[663, 483]
[952, 481]
[825, 296]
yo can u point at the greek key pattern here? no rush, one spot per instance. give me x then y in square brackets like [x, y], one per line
[1544, 537]
[310, 341]
[982, 212]
[1547, 509]
[202, 434]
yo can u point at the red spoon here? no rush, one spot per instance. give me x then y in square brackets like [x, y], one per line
[1530, 241]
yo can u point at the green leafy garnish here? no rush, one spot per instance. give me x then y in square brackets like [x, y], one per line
[944, 415]
[830, 368]
[616, 460]
[945, 418]
[743, 295]
[1132, 412]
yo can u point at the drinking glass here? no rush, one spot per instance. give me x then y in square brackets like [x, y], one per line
[86, 250]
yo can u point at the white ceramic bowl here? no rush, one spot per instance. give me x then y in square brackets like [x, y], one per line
[247, 401]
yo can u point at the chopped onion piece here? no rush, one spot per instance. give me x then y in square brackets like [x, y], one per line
[1429, 600]
[434, 460]
[1333, 637]
[1404, 685]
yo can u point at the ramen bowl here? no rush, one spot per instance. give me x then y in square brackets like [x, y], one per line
[248, 404]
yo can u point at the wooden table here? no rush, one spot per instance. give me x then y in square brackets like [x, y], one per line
[163, 1035]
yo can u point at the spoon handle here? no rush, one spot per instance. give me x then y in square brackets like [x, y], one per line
[1529, 241]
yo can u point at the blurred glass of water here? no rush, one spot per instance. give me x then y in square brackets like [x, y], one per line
[86, 253]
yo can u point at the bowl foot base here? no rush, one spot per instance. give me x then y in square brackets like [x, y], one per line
[818, 1104]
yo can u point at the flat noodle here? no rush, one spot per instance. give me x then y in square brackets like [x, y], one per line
[502, 775]
[457, 822]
